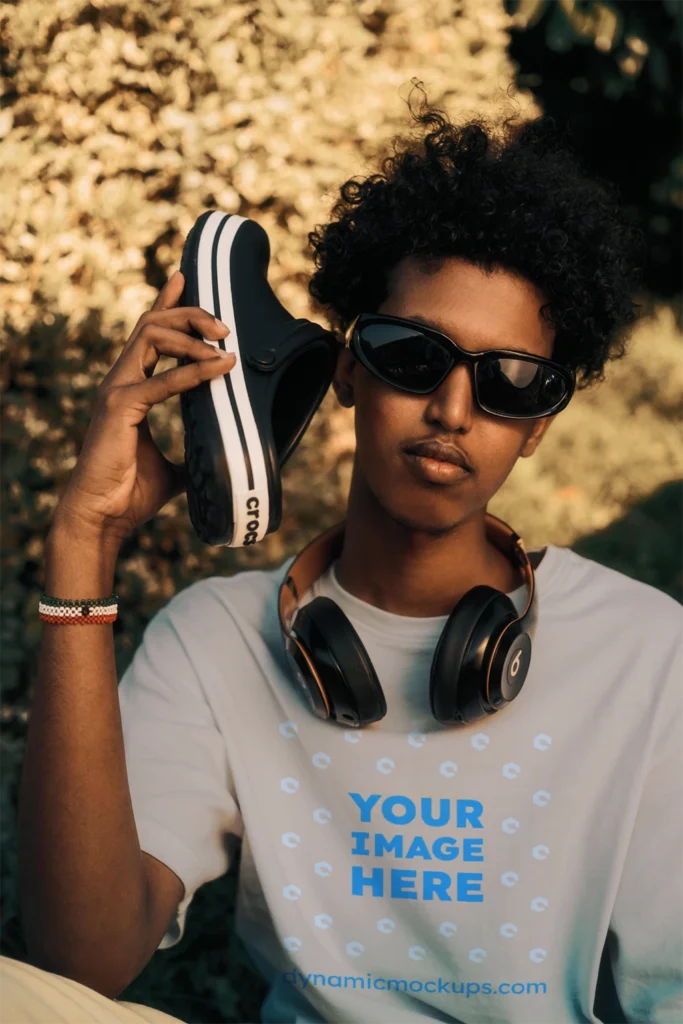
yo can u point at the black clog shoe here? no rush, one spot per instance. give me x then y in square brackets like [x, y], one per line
[240, 428]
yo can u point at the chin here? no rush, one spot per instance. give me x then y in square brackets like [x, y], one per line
[435, 511]
[428, 518]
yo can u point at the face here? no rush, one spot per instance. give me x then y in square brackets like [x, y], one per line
[479, 311]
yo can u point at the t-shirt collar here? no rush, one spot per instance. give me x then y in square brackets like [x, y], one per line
[407, 631]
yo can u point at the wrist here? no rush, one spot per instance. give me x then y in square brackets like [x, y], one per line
[66, 529]
[79, 564]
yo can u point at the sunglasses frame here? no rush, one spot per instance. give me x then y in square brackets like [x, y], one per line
[352, 342]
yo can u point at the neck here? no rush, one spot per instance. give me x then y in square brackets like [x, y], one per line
[409, 572]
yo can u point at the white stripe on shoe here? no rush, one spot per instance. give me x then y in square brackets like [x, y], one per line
[239, 433]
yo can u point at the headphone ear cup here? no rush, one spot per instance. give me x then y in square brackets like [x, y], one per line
[343, 665]
[460, 663]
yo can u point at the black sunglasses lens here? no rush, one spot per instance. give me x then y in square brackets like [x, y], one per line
[519, 387]
[403, 356]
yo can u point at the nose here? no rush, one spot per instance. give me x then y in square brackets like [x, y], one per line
[452, 404]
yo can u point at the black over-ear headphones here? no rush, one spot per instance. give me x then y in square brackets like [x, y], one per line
[479, 665]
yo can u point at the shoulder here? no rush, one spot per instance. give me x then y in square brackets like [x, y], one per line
[604, 595]
[249, 595]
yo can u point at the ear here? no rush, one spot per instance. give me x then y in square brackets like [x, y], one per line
[534, 439]
[343, 379]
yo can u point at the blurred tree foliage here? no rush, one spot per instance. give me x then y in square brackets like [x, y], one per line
[611, 72]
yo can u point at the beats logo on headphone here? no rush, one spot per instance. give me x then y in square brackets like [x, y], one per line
[479, 665]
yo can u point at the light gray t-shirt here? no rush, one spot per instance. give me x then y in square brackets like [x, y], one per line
[410, 871]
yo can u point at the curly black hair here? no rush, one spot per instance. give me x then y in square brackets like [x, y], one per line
[514, 197]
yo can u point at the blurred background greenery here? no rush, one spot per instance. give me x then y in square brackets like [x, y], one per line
[122, 121]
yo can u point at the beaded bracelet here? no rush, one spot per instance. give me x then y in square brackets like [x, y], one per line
[65, 612]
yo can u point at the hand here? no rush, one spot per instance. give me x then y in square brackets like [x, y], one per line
[121, 479]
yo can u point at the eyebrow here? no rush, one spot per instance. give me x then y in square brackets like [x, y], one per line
[439, 325]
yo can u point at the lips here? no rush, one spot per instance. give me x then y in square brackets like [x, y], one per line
[440, 452]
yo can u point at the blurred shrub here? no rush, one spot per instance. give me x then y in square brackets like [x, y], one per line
[611, 73]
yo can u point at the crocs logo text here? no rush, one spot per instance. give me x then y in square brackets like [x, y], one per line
[252, 525]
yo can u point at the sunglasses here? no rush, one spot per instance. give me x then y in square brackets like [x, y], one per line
[418, 359]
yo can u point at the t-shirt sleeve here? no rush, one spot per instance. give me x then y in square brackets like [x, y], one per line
[180, 782]
[647, 917]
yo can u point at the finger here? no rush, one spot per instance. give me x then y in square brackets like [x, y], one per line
[154, 341]
[171, 292]
[143, 394]
[140, 355]
[167, 297]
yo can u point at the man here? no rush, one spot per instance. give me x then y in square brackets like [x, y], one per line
[524, 867]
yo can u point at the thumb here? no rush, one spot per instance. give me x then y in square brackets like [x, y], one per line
[179, 473]
[159, 472]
